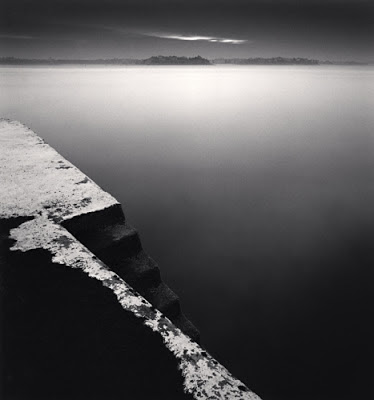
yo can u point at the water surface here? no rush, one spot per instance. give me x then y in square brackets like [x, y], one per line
[252, 187]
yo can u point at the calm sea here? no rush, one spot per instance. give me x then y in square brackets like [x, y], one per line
[252, 187]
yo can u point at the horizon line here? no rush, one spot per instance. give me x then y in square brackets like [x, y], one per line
[188, 57]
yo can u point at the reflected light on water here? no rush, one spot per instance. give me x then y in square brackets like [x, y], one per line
[251, 186]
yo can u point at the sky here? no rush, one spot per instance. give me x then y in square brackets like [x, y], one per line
[322, 29]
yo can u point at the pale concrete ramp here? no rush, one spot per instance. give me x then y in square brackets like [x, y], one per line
[73, 327]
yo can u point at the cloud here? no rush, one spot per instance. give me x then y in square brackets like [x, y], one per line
[212, 39]
[22, 37]
[174, 36]
[45, 37]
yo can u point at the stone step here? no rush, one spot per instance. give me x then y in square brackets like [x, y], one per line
[118, 245]
[95, 221]
[187, 327]
[112, 243]
[140, 271]
[164, 299]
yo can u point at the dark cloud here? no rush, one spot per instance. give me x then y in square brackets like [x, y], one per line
[322, 29]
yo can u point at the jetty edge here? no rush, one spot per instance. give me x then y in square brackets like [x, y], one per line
[84, 312]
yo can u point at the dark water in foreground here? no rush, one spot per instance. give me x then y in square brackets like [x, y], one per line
[253, 189]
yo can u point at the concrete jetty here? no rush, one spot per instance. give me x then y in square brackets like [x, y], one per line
[84, 312]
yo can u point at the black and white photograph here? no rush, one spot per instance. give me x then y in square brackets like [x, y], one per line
[186, 199]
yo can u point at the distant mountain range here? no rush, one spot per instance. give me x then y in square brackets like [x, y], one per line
[281, 61]
[155, 60]
[174, 60]
[266, 61]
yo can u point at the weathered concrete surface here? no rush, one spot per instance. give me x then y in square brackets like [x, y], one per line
[66, 336]
[39, 181]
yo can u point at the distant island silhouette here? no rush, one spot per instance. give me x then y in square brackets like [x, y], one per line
[175, 60]
[267, 61]
[154, 60]
[282, 61]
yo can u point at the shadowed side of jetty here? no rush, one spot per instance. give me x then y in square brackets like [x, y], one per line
[65, 336]
[115, 242]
